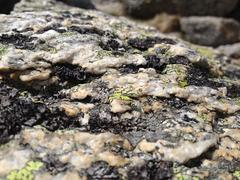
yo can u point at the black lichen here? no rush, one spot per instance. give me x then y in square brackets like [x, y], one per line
[102, 170]
[151, 170]
[153, 61]
[144, 44]
[72, 73]
[17, 111]
[19, 41]
[92, 30]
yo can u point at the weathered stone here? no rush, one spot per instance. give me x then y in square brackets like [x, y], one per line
[210, 31]
[85, 95]
[231, 50]
[114, 7]
[166, 23]
[148, 8]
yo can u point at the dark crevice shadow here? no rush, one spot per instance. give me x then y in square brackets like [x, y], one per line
[6, 6]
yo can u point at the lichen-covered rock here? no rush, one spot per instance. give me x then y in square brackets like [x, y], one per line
[138, 8]
[210, 31]
[91, 96]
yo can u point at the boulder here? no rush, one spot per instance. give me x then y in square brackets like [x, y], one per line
[210, 31]
[114, 7]
[232, 50]
[148, 8]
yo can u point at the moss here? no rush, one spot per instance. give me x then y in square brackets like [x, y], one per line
[3, 49]
[123, 94]
[236, 174]
[26, 173]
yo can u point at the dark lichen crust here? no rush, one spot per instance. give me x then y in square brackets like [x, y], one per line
[88, 96]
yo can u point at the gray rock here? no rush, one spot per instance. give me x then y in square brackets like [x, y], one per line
[210, 31]
[114, 7]
[148, 8]
[232, 50]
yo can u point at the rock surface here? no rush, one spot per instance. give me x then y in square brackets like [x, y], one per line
[210, 31]
[138, 8]
[85, 95]
[232, 50]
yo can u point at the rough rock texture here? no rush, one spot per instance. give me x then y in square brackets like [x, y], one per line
[210, 31]
[138, 8]
[88, 96]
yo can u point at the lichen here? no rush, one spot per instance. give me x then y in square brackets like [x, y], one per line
[123, 94]
[236, 174]
[181, 176]
[3, 49]
[26, 173]
[175, 69]
[103, 53]
[205, 52]
[183, 83]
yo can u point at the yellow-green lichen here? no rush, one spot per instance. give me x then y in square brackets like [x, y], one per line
[183, 83]
[103, 53]
[123, 94]
[26, 173]
[236, 174]
[3, 49]
[69, 33]
[205, 52]
[181, 176]
[177, 69]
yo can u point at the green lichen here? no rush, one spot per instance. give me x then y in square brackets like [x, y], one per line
[236, 174]
[3, 49]
[177, 69]
[69, 33]
[123, 94]
[26, 173]
[183, 83]
[103, 53]
[205, 52]
[181, 176]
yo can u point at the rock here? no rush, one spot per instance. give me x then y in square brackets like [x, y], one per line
[231, 50]
[90, 96]
[114, 7]
[166, 23]
[210, 31]
[148, 8]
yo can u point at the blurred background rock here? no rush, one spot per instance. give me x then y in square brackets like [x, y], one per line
[213, 23]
